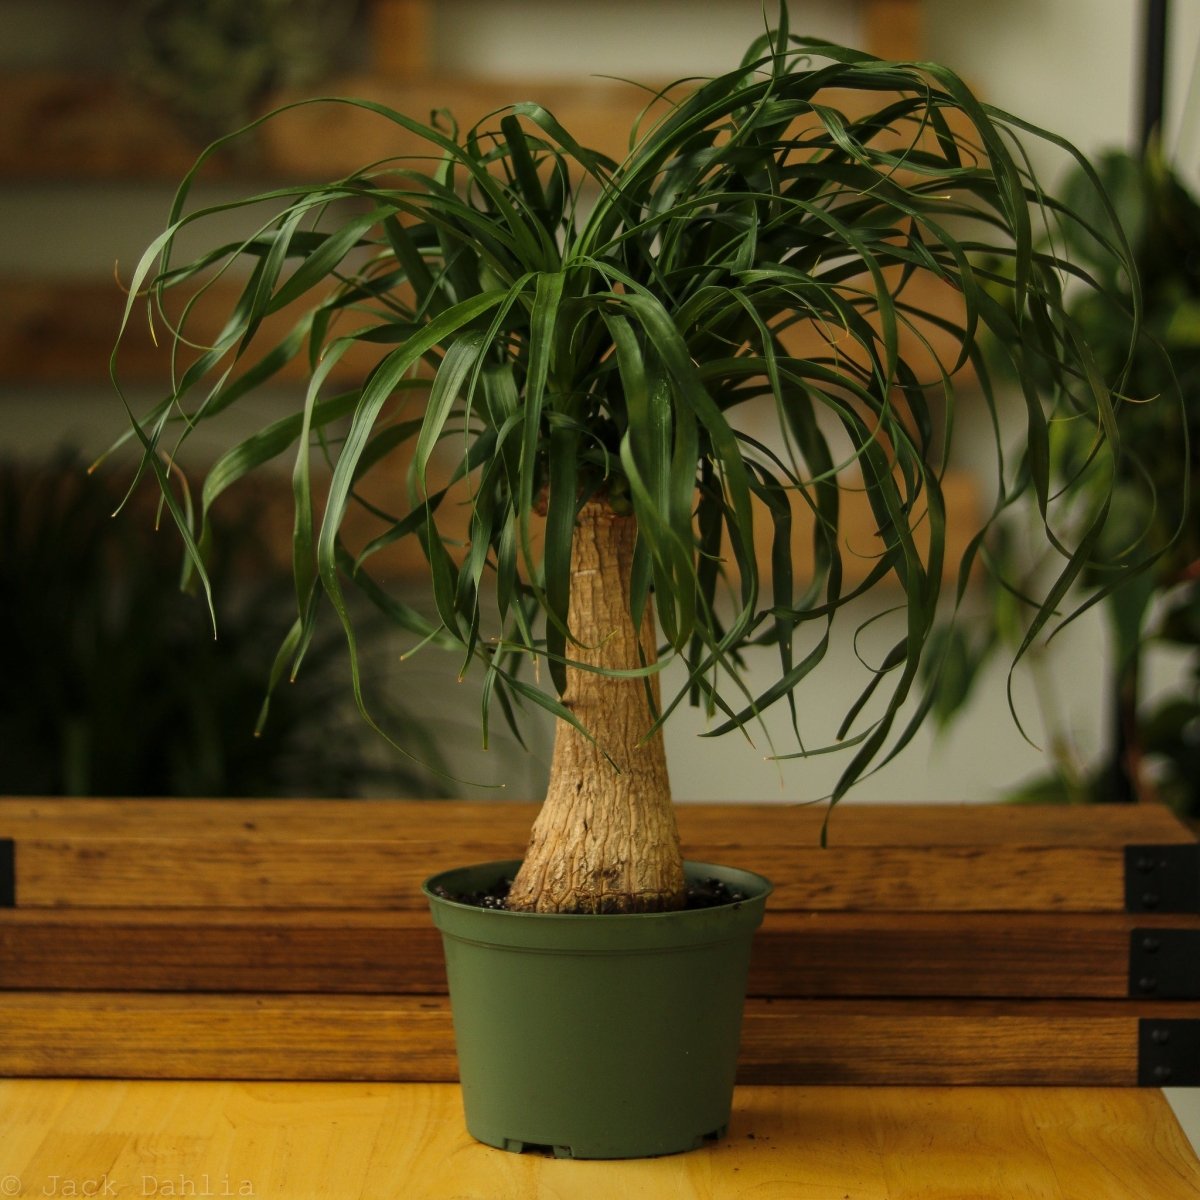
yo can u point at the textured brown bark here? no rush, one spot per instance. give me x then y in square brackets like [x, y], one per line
[605, 839]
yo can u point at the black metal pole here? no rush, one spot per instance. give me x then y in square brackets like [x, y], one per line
[1124, 688]
[1154, 70]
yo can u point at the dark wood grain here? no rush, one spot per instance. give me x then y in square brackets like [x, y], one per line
[410, 1038]
[100, 872]
[365, 951]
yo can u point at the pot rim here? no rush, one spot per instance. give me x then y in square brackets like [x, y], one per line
[758, 889]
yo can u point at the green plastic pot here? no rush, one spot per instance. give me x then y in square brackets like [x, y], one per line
[596, 1036]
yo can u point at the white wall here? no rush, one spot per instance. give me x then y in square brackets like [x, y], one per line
[1072, 65]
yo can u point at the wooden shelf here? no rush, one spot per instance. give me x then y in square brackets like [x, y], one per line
[69, 126]
[62, 331]
[75, 128]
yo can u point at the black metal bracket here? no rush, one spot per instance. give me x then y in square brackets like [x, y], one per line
[8, 873]
[1163, 878]
[1168, 1053]
[1164, 964]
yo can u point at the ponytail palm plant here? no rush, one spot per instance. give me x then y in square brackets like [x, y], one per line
[571, 363]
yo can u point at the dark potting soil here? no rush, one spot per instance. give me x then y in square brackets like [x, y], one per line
[701, 893]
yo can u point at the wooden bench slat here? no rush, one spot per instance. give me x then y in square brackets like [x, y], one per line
[410, 1038]
[467, 822]
[363, 854]
[372, 951]
[103, 872]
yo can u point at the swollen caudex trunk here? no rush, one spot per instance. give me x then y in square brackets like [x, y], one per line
[605, 839]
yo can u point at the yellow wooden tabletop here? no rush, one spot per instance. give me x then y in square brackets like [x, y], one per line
[328, 1141]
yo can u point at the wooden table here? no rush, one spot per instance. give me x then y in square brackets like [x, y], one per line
[329, 1141]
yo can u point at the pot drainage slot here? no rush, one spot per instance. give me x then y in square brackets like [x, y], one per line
[549, 1150]
[543, 1149]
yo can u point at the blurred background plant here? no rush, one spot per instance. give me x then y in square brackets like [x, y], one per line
[213, 62]
[1155, 740]
[114, 685]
